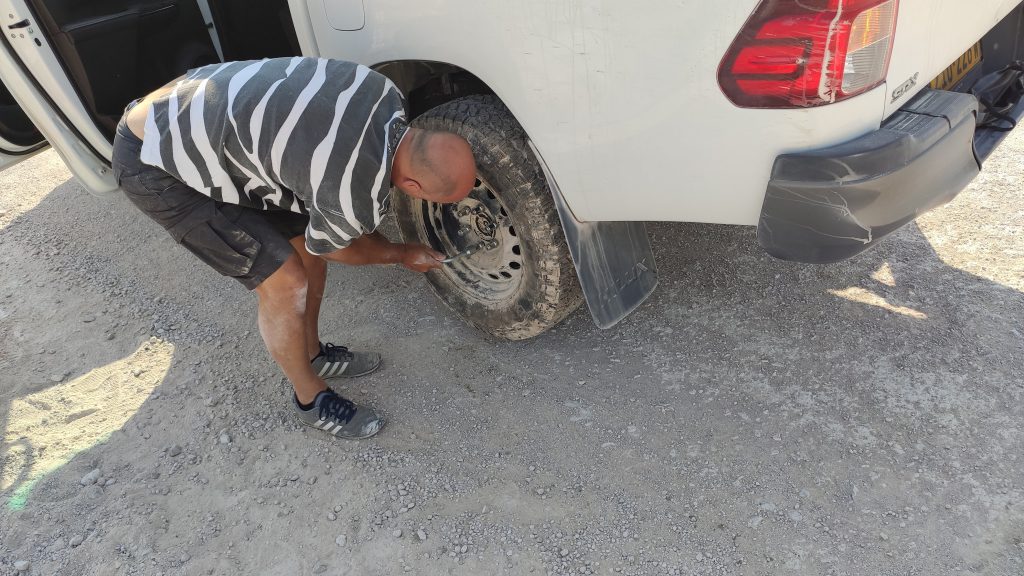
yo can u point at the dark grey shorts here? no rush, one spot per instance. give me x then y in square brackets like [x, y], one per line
[244, 243]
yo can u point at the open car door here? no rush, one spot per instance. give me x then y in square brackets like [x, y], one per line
[19, 138]
[73, 66]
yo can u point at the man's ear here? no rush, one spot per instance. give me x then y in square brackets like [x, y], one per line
[411, 187]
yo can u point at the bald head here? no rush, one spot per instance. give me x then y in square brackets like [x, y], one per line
[434, 166]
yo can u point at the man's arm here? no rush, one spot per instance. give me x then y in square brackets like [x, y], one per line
[374, 248]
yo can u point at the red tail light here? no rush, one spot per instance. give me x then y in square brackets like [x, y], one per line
[804, 53]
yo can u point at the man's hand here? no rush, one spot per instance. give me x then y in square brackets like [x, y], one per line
[419, 258]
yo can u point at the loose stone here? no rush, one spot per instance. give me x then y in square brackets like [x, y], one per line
[91, 478]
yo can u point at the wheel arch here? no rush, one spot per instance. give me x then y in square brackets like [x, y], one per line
[620, 251]
[428, 84]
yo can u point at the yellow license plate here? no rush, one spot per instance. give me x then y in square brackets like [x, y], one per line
[958, 70]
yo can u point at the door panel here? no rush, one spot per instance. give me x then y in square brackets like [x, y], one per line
[114, 51]
[75, 64]
[33, 72]
[254, 29]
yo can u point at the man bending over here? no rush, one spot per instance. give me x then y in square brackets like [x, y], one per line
[266, 170]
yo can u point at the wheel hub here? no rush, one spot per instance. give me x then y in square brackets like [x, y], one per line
[495, 270]
[485, 226]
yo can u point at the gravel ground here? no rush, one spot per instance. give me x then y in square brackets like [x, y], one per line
[755, 417]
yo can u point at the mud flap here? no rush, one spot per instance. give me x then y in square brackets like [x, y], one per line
[613, 260]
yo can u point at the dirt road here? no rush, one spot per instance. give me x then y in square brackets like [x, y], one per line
[755, 417]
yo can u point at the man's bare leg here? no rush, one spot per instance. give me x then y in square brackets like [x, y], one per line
[335, 361]
[282, 322]
[316, 278]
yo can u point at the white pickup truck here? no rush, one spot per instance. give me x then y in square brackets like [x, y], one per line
[827, 124]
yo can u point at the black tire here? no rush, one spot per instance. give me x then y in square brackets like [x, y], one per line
[538, 288]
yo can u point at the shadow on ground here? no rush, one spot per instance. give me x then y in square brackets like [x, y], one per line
[755, 416]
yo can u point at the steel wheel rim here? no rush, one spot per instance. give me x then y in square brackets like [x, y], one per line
[489, 275]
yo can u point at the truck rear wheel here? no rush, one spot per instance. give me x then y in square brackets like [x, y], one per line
[521, 281]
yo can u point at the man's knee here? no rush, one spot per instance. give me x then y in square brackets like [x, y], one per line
[288, 284]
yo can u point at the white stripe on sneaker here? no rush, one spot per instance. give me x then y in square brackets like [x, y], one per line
[336, 429]
[323, 371]
[327, 425]
[338, 368]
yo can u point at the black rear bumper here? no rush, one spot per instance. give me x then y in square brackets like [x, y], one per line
[827, 205]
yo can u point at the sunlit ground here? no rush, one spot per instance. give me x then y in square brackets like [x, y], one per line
[863, 296]
[995, 253]
[15, 200]
[48, 428]
[982, 231]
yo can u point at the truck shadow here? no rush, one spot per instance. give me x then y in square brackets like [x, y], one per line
[894, 334]
[726, 314]
[717, 276]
